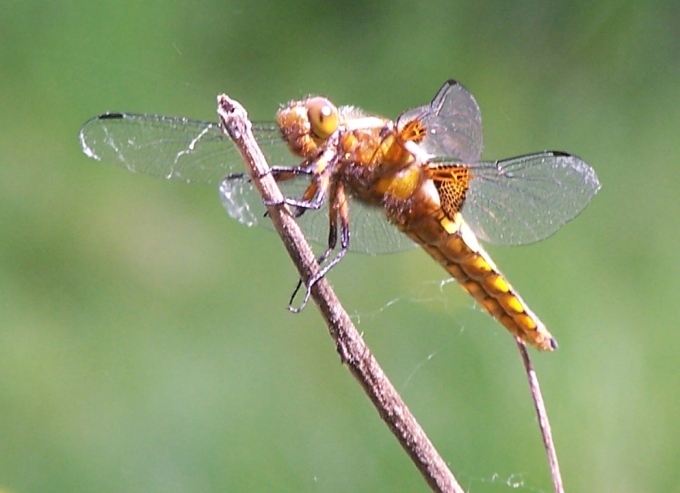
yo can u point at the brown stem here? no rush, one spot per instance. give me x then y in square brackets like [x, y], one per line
[348, 342]
[542, 413]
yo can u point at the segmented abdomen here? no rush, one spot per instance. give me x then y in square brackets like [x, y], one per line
[454, 246]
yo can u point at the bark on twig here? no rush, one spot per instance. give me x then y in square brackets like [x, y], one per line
[349, 343]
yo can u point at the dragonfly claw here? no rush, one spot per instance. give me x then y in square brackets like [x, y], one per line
[308, 293]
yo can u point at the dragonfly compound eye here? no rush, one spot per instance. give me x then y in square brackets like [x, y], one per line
[323, 117]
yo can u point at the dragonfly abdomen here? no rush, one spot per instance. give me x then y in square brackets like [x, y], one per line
[456, 249]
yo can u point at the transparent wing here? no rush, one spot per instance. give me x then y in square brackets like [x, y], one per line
[370, 232]
[453, 122]
[198, 152]
[173, 148]
[525, 199]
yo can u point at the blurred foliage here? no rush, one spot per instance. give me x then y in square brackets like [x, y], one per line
[145, 345]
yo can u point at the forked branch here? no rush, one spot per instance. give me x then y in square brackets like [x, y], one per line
[348, 342]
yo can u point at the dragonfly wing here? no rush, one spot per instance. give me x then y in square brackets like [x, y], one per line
[370, 231]
[198, 152]
[180, 149]
[525, 199]
[453, 122]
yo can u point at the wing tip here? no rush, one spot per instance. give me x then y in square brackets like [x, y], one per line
[110, 116]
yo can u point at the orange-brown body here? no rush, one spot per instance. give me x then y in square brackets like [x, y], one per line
[383, 167]
[413, 202]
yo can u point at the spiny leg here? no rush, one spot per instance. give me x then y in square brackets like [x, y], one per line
[321, 170]
[280, 173]
[332, 242]
[338, 209]
[314, 196]
[284, 173]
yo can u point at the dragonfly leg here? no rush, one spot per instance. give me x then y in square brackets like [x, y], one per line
[320, 260]
[315, 194]
[321, 169]
[280, 174]
[283, 173]
[332, 242]
[338, 209]
[344, 246]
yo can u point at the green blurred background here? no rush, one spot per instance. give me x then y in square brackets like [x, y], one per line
[145, 343]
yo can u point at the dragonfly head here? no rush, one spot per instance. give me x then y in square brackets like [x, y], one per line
[305, 125]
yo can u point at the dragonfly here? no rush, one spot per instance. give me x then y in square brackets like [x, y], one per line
[376, 185]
